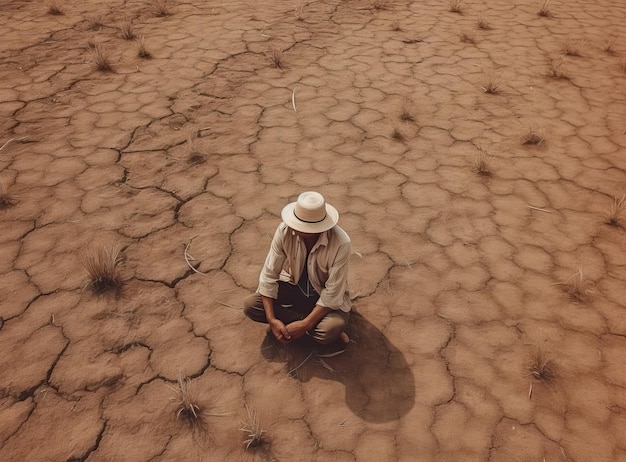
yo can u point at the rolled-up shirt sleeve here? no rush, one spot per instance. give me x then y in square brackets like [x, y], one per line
[268, 279]
[336, 287]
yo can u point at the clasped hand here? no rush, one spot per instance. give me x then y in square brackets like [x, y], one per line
[286, 333]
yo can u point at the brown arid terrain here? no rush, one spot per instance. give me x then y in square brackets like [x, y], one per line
[475, 150]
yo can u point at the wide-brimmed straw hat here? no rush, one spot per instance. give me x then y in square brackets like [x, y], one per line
[310, 213]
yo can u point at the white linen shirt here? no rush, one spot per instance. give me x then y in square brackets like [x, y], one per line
[327, 265]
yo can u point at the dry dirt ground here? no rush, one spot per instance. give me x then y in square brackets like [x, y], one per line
[465, 264]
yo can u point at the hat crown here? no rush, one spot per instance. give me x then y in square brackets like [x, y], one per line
[310, 207]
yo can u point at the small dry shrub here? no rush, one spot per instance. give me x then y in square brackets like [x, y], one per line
[276, 57]
[255, 435]
[126, 29]
[102, 263]
[54, 8]
[187, 407]
[533, 137]
[578, 287]
[455, 6]
[544, 11]
[556, 69]
[467, 38]
[100, 56]
[492, 85]
[574, 47]
[142, 51]
[482, 163]
[482, 23]
[541, 367]
[160, 8]
[617, 207]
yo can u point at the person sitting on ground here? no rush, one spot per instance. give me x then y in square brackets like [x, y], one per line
[303, 286]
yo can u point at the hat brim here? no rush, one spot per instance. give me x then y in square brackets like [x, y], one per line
[290, 219]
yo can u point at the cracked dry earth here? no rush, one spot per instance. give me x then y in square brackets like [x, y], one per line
[458, 278]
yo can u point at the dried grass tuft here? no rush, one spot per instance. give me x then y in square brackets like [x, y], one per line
[187, 407]
[492, 85]
[617, 207]
[95, 22]
[482, 163]
[609, 45]
[298, 12]
[534, 137]
[467, 38]
[578, 287]
[455, 6]
[195, 157]
[126, 29]
[102, 263]
[54, 8]
[6, 200]
[541, 367]
[397, 135]
[482, 23]
[255, 435]
[574, 47]
[544, 11]
[142, 51]
[276, 57]
[556, 69]
[160, 8]
[100, 57]
[406, 115]
[381, 4]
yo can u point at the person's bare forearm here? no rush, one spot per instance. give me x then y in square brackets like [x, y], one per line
[316, 316]
[268, 306]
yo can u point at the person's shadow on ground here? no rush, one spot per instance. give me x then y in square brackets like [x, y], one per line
[380, 386]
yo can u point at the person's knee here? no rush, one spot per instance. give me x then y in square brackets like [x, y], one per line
[328, 330]
[253, 307]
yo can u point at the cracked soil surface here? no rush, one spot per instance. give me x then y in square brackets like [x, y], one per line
[458, 277]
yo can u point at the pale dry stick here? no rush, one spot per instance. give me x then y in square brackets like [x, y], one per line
[325, 365]
[330, 355]
[530, 390]
[292, 371]
[293, 100]
[538, 209]
[187, 258]
[12, 139]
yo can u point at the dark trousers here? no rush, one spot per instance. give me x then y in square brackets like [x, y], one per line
[292, 305]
